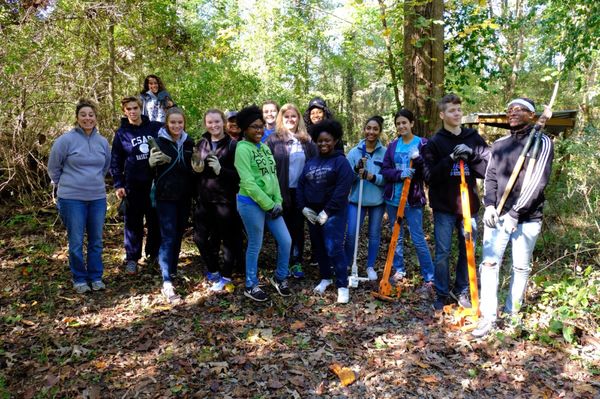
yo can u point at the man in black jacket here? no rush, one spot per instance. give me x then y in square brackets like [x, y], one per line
[520, 220]
[442, 173]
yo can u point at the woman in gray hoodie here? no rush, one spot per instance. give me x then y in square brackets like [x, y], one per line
[79, 160]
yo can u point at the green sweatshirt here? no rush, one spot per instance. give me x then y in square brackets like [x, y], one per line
[258, 178]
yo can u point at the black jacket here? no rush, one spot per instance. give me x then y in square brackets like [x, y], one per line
[442, 174]
[174, 180]
[281, 155]
[220, 188]
[523, 203]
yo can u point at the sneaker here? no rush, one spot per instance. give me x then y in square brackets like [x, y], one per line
[463, 299]
[213, 277]
[426, 290]
[131, 267]
[218, 286]
[320, 289]
[281, 286]
[483, 328]
[98, 285]
[313, 261]
[439, 303]
[371, 274]
[296, 271]
[81, 288]
[343, 295]
[256, 293]
[398, 277]
[169, 293]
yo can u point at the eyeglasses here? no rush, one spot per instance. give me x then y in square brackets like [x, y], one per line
[256, 127]
[516, 110]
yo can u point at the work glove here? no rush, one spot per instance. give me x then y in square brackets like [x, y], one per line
[213, 162]
[197, 162]
[275, 212]
[490, 217]
[509, 223]
[407, 173]
[461, 151]
[322, 218]
[359, 165]
[365, 175]
[157, 157]
[310, 215]
[414, 154]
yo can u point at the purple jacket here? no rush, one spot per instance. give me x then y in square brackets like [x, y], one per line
[416, 193]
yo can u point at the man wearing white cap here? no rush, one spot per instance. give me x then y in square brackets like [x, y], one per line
[520, 219]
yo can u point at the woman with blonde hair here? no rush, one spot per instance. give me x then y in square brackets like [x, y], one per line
[291, 147]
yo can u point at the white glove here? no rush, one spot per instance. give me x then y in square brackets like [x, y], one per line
[490, 217]
[322, 218]
[213, 162]
[157, 157]
[509, 223]
[310, 215]
[414, 154]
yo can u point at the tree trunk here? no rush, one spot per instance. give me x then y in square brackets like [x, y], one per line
[111, 71]
[515, 47]
[423, 62]
[390, 61]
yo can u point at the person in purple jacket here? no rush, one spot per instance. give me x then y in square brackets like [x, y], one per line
[396, 169]
[322, 194]
[132, 180]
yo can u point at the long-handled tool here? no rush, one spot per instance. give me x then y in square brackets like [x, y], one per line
[385, 288]
[354, 279]
[467, 317]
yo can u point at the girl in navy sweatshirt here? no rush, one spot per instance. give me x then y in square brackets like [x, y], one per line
[322, 194]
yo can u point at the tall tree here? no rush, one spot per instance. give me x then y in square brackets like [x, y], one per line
[423, 61]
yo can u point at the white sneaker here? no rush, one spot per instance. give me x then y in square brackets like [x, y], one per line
[169, 293]
[98, 285]
[320, 289]
[343, 295]
[483, 328]
[81, 288]
[398, 277]
[372, 274]
[219, 286]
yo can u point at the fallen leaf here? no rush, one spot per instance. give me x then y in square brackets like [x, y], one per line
[345, 374]
[298, 325]
[431, 379]
[274, 384]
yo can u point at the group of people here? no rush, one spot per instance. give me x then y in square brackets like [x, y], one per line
[276, 168]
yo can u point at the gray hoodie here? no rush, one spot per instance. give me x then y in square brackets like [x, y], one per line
[78, 164]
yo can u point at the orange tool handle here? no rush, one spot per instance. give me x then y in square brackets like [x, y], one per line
[469, 244]
[385, 288]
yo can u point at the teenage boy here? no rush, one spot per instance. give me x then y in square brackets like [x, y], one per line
[231, 126]
[132, 181]
[520, 220]
[442, 172]
[269, 111]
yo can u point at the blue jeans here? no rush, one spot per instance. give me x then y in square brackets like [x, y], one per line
[494, 244]
[413, 218]
[444, 225]
[173, 217]
[81, 217]
[255, 219]
[329, 248]
[375, 217]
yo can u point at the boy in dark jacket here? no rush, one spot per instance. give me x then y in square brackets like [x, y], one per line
[520, 220]
[441, 167]
[322, 195]
[132, 180]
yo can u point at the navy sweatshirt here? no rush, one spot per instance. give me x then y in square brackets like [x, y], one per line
[524, 203]
[130, 152]
[325, 183]
[442, 174]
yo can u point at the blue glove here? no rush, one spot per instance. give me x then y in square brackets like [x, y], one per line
[407, 173]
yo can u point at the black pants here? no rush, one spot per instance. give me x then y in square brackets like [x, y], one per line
[294, 221]
[215, 223]
[138, 197]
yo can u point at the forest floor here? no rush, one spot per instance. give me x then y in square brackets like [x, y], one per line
[127, 342]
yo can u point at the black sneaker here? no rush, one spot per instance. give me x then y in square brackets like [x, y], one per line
[281, 286]
[463, 299]
[256, 293]
[439, 303]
